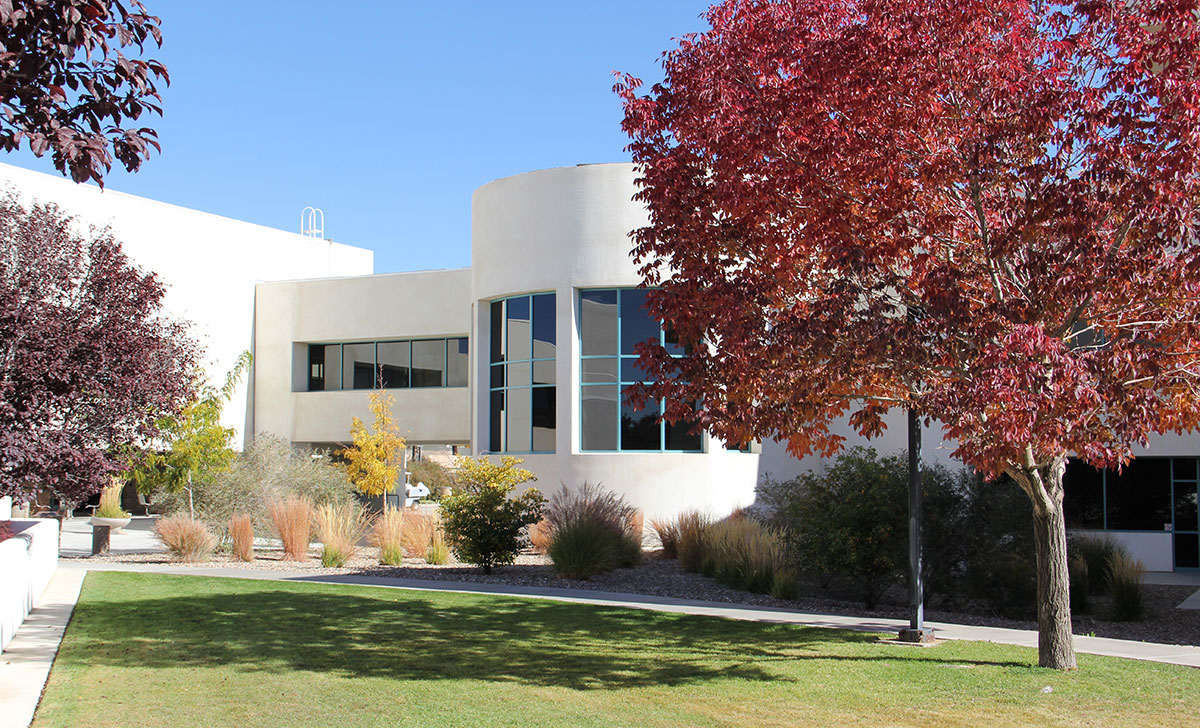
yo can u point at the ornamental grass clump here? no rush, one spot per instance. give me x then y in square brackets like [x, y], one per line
[388, 536]
[340, 526]
[691, 546]
[438, 552]
[292, 519]
[742, 553]
[110, 501]
[188, 539]
[667, 532]
[1125, 587]
[417, 535]
[592, 530]
[241, 533]
[1097, 552]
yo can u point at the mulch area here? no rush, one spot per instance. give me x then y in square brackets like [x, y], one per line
[662, 577]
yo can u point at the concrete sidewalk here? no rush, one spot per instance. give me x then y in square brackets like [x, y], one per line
[25, 665]
[1174, 654]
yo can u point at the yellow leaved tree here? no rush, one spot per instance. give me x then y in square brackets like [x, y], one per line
[375, 457]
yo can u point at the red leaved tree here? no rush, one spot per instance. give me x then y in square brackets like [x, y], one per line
[66, 85]
[87, 361]
[985, 210]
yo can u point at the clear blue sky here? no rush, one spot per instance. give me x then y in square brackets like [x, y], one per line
[387, 114]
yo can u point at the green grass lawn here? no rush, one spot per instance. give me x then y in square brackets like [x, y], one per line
[158, 650]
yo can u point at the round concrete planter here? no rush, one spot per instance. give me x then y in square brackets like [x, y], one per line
[116, 524]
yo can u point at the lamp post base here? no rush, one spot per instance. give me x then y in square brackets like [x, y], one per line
[916, 636]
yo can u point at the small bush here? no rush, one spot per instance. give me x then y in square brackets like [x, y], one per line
[540, 536]
[691, 526]
[388, 537]
[438, 552]
[110, 501]
[1125, 587]
[592, 531]
[187, 539]
[292, 518]
[340, 526]
[1097, 552]
[667, 533]
[484, 523]
[241, 531]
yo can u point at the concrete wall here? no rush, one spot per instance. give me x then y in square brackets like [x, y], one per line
[290, 315]
[27, 561]
[562, 230]
[209, 263]
[1154, 550]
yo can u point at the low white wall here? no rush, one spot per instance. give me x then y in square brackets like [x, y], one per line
[5, 508]
[27, 561]
[1154, 550]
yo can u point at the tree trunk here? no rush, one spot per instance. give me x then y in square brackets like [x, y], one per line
[1043, 484]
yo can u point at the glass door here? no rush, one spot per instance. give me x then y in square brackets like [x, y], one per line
[1185, 519]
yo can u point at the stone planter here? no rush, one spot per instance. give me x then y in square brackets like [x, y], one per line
[116, 524]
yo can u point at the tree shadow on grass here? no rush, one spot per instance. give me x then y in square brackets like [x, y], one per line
[405, 635]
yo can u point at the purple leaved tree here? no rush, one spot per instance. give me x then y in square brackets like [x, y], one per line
[88, 362]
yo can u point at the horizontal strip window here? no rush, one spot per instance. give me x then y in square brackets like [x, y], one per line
[402, 364]
[612, 322]
[522, 380]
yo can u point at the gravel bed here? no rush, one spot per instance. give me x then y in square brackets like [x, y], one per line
[661, 577]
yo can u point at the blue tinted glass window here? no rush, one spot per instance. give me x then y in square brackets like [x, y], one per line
[522, 377]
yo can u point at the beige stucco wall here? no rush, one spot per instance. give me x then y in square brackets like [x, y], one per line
[290, 314]
[563, 230]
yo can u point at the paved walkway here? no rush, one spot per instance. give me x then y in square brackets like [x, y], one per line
[26, 663]
[136, 538]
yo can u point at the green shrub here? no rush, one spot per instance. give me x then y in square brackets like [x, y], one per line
[850, 522]
[483, 523]
[1125, 586]
[591, 530]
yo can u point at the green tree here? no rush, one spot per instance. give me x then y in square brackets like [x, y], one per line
[375, 457]
[483, 522]
[193, 443]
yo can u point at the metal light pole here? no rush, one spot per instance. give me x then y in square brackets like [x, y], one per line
[916, 631]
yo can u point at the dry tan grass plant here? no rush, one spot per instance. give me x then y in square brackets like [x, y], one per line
[241, 532]
[292, 518]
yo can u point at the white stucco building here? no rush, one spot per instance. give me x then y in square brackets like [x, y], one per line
[526, 352]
